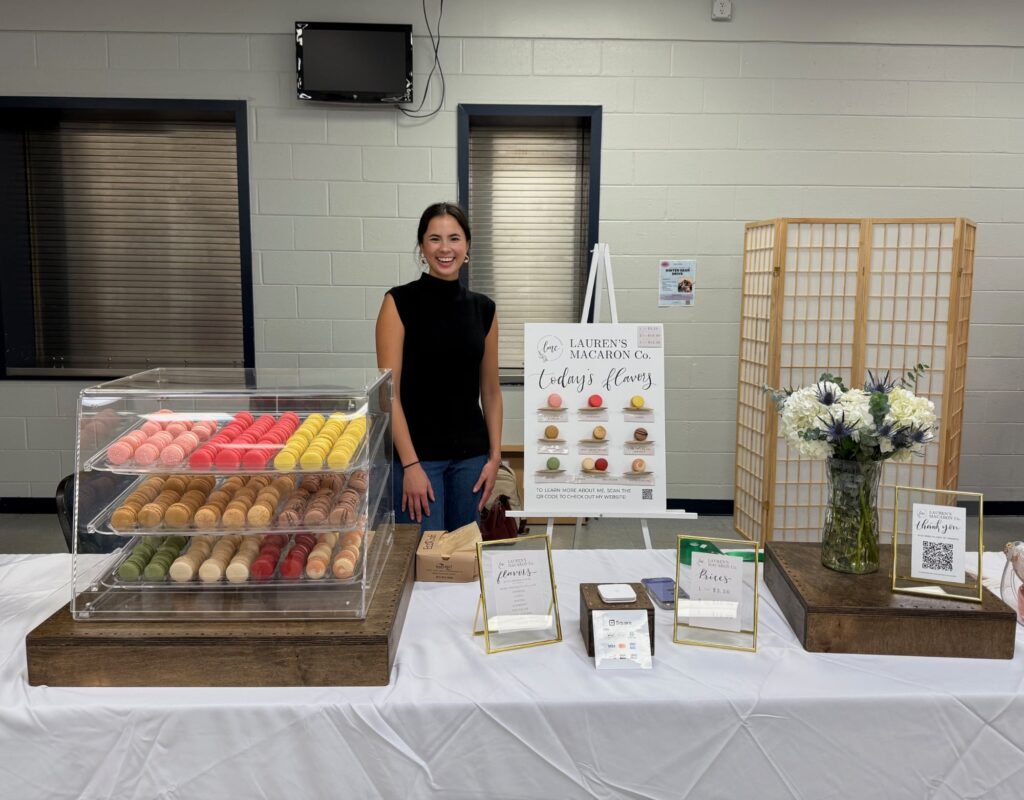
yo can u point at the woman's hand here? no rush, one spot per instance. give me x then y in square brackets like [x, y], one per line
[486, 480]
[417, 493]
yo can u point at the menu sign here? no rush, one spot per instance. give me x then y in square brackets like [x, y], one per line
[594, 418]
[517, 593]
[517, 585]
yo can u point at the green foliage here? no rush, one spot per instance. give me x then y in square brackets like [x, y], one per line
[909, 380]
[778, 396]
[879, 406]
[828, 377]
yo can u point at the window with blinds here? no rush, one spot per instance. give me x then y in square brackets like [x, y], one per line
[529, 190]
[133, 256]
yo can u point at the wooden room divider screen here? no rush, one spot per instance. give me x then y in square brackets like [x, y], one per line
[845, 296]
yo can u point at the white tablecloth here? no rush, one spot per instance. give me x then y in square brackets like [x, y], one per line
[535, 723]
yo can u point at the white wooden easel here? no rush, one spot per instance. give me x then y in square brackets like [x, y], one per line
[601, 271]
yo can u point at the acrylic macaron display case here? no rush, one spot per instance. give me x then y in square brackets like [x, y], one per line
[232, 493]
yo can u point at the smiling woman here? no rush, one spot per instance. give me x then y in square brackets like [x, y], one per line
[440, 341]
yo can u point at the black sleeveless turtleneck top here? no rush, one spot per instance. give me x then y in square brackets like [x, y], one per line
[445, 327]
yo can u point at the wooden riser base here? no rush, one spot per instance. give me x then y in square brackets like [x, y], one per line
[62, 652]
[831, 612]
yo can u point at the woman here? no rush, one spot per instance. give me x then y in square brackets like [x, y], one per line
[440, 342]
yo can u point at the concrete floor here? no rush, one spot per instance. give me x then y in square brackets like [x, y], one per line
[40, 533]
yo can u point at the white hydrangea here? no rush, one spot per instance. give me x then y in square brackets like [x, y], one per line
[856, 409]
[803, 412]
[816, 448]
[906, 408]
[800, 412]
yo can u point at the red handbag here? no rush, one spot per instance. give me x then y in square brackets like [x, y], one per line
[495, 524]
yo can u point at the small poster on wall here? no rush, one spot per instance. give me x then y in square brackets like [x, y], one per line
[594, 418]
[676, 282]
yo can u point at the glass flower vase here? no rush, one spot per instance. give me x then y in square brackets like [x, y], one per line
[849, 538]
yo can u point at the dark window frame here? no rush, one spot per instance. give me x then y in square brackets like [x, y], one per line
[482, 114]
[235, 110]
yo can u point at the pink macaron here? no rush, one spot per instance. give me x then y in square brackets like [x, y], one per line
[188, 441]
[161, 439]
[146, 454]
[135, 438]
[172, 454]
[120, 452]
[175, 428]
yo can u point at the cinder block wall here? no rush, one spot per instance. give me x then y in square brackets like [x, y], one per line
[905, 112]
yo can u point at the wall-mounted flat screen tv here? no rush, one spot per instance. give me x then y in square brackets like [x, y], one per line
[346, 62]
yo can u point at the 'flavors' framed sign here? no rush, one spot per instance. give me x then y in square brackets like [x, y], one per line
[517, 593]
[594, 419]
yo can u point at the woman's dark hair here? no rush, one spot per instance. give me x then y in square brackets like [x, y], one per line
[440, 210]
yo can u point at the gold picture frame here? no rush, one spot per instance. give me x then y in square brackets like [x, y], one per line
[704, 635]
[526, 609]
[971, 590]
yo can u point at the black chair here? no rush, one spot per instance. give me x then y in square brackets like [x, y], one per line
[66, 507]
[97, 489]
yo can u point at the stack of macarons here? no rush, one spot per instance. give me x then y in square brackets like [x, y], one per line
[245, 442]
[345, 560]
[263, 566]
[324, 442]
[247, 434]
[341, 454]
[320, 555]
[224, 549]
[297, 444]
[268, 443]
[294, 563]
[237, 570]
[151, 558]
[164, 436]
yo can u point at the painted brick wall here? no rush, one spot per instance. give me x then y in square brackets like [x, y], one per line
[706, 126]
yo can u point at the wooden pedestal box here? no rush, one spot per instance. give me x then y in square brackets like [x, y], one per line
[832, 612]
[590, 600]
[357, 652]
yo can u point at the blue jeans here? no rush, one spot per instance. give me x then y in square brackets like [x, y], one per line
[455, 503]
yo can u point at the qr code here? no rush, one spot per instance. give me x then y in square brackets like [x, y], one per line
[648, 494]
[937, 556]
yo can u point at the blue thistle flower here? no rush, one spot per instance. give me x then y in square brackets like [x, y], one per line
[826, 395]
[911, 436]
[836, 428]
[886, 429]
[878, 384]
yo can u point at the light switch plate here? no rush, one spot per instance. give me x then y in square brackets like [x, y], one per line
[721, 10]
